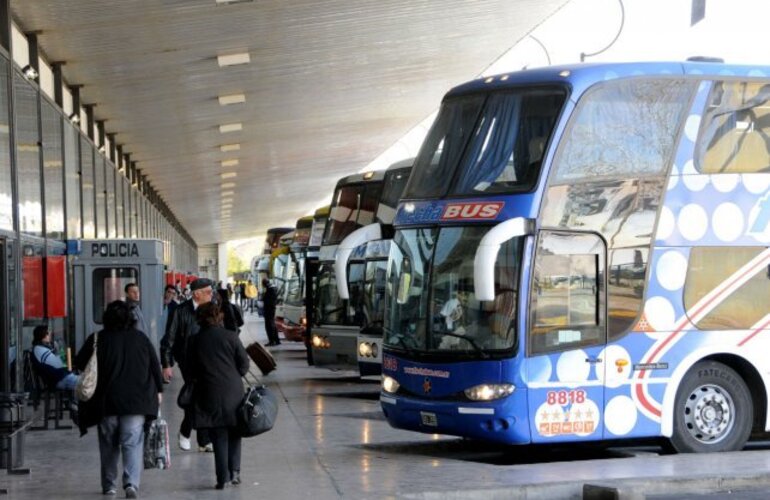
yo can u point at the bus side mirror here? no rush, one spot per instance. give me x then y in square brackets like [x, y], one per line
[353, 240]
[404, 283]
[486, 254]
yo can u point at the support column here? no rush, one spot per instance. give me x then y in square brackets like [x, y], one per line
[222, 262]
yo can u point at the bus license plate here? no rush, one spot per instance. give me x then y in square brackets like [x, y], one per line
[429, 419]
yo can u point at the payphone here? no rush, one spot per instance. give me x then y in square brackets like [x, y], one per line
[102, 269]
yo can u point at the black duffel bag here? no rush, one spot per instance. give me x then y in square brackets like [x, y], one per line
[257, 411]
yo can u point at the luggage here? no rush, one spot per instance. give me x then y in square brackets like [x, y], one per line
[257, 411]
[261, 357]
[157, 453]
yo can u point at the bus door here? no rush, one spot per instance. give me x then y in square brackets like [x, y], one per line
[567, 337]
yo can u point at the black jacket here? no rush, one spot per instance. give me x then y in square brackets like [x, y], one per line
[216, 362]
[270, 301]
[179, 328]
[128, 380]
[232, 316]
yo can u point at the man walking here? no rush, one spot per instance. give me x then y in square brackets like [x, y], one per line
[173, 347]
[132, 299]
[270, 300]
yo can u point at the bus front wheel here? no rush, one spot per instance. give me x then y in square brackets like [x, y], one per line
[713, 410]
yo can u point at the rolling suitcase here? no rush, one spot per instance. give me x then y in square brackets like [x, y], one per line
[157, 452]
[261, 357]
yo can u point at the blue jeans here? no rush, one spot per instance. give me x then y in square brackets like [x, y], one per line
[68, 382]
[124, 435]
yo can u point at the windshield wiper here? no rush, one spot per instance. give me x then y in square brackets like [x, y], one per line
[402, 343]
[472, 342]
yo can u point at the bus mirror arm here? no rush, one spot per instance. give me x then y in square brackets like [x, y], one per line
[353, 240]
[486, 254]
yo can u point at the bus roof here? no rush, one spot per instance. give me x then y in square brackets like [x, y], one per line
[305, 222]
[374, 175]
[322, 212]
[581, 76]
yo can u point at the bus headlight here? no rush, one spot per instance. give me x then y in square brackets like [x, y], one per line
[317, 341]
[489, 392]
[364, 349]
[389, 384]
[303, 321]
[375, 350]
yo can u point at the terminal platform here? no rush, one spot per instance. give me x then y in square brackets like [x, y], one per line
[331, 442]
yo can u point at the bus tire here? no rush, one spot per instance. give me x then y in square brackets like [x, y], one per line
[713, 410]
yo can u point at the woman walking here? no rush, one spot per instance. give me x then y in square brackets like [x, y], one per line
[217, 362]
[128, 391]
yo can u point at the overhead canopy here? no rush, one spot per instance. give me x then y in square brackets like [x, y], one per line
[330, 84]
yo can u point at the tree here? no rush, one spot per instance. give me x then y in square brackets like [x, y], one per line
[234, 264]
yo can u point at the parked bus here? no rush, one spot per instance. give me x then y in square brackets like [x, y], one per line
[360, 266]
[335, 325]
[320, 218]
[290, 321]
[582, 254]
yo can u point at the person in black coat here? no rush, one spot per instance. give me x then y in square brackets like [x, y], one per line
[216, 362]
[270, 300]
[233, 319]
[128, 392]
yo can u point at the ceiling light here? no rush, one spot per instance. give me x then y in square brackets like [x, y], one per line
[227, 185]
[102, 149]
[230, 127]
[29, 72]
[75, 118]
[230, 2]
[226, 148]
[226, 202]
[233, 59]
[230, 163]
[224, 100]
[229, 175]
[228, 193]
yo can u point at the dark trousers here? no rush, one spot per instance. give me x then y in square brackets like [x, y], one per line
[202, 435]
[270, 329]
[227, 452]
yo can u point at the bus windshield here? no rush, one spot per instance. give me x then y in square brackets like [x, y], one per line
[353, 206]
[330, 309]
[431, 306]
[486, 144]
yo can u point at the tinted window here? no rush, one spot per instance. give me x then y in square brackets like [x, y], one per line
[625, 288]
[508, 143]
[6, 200]
[394, 184]
[87, 179]
[566, 297]
[623, 128]
[343, 214]
[72, 181]
[735, 130]
[101, 202]
[108, 286]
[440, 152]
[712, 267]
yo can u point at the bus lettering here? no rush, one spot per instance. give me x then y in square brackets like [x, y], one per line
[470, 211]
[563, 397]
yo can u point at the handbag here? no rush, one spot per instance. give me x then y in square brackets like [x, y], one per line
[86, 386]
[257, 412]
[157, 452]
[186, 395]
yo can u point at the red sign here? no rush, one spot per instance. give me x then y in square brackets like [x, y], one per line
[56, 274]
[32, 272]
[480, 210]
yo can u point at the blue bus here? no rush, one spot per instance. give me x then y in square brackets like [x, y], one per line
[581, 254]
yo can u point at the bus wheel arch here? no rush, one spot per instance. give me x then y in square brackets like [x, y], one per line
[714, 405]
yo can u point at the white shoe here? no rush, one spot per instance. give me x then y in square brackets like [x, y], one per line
[209, 448]
[184, 442]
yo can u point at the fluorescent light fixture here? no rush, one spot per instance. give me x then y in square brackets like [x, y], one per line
[228, 185]
[230, 127]
[230, 2]
[29, 72]
[229, 175]
[230, 163]
[227, 202]
[226, 148]
[233, 59]
[225, 100]
[228, 193]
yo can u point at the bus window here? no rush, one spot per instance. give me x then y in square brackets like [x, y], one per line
[711, 267]
[735, 130]
[637, 122]
[355, 285]
[344, 213]
[567, 299]
[625, 288]
[440, 153]
[108, 285]
[508, 144]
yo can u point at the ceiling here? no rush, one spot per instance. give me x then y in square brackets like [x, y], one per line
[330, 85]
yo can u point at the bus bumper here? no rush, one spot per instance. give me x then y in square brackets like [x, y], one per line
[502, 421]
[336, 351]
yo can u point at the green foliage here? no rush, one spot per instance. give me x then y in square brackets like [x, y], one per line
[234, 264]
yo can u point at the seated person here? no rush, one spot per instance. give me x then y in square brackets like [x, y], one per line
[47, 363]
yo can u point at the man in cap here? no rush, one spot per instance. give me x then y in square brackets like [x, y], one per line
[173, 347]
